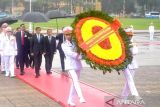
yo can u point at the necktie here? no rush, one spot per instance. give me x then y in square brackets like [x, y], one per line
[22, 38]
[38, 36]
[49, 39]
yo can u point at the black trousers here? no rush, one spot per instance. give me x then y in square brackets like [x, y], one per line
[31, 60]
[17, 61]
[37, 62]
[27, 60]
[22, 56]
[62, 56]
[48, 61]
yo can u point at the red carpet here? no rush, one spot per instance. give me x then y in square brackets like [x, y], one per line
[56, 86]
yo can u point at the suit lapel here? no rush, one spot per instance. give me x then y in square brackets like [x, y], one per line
[48, 39]
[41, 36]
[36, 37]
[51, 40]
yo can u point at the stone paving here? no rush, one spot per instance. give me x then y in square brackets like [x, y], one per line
[15, 93]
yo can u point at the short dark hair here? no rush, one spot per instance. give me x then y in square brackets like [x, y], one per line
[17, 28]
[38, 28]
[48, 29]
[22, 25]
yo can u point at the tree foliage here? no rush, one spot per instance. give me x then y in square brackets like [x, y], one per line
[116, 6]
[149, 5]
[4, 4]
[109, 6]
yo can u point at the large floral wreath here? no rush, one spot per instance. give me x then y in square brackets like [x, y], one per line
[113, 53]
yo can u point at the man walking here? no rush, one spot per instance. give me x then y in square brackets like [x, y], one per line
[23, 47]
[49, 50]
[37, 49]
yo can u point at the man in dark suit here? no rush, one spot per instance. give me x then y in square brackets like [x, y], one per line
[60, 38]
[37, 49]
[23, 47]
[49, 50]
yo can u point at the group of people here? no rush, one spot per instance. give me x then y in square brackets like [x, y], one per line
[27, 49]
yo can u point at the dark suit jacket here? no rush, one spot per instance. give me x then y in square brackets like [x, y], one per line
[26, 46]
[60, 37]
[36, 46]
[49, 47]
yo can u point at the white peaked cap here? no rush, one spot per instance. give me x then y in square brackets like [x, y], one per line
[67, 29]
[4, 25]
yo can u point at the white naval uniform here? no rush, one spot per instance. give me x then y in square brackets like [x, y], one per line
[129, 75]
[9, 51]
[151, 32]
[73, 66]
[2, 36]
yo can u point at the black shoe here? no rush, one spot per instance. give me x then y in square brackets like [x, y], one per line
[37, 75]
[22, 73]
[32, 66]
[49, 72]
[63, 71]
[27, 65]
[17, 66]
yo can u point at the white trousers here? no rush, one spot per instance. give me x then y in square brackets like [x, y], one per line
[9, 65]
[2, 63]
[151, 34]
[75, 86]
[129, 85]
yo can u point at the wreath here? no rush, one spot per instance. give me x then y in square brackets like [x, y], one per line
[102, 42]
